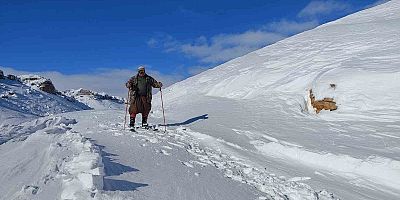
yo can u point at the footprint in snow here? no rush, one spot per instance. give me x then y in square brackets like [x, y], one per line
[164, 152]
[187, 164]
[30, 189]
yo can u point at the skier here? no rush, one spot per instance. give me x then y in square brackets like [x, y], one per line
[140, 92]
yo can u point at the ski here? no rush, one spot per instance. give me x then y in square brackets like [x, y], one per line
[145, 127]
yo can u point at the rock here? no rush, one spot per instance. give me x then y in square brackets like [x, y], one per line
[47, 86]
[84, 92]
[42, 83]
[12, 77]
[1, 75]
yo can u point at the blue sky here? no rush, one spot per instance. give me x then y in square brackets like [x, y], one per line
[175, 39]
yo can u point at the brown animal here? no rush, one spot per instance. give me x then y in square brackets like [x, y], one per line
[325, 104]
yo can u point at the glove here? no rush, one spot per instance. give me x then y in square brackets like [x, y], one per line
[128, 85]
[160, 84]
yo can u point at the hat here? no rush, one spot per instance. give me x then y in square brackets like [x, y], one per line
[140, 68]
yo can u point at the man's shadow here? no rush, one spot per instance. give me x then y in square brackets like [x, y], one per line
[112, 168]
[189, 121]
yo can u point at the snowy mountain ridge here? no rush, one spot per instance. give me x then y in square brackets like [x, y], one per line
[33, 80]
[31, 95]
[21, 102]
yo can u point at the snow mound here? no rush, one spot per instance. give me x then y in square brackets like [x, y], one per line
[83, 174]
[22, 131]
[52, 163]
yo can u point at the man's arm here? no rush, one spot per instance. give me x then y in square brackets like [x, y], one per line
[155, 83]
[129, 84]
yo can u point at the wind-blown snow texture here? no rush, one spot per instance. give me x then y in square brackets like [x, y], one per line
[243, 130]
[258, 107]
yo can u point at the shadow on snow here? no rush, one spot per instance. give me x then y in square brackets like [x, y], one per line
[112, 168]
[189, 121]
[121, 185]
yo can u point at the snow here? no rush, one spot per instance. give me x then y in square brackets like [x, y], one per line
[243, 130]
[360, 58]
[259, 109]
[145, 164]
[33, 80]
[84, 173]
[96, 100]
[20, 102]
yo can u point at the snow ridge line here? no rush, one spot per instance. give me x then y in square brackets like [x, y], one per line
[83, 174]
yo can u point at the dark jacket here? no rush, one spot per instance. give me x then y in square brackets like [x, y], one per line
[133, 89]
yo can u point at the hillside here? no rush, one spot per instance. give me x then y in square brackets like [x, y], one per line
[258, 107]
[21, 101]
[246, 129]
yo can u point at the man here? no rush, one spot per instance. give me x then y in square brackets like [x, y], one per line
[140, 90]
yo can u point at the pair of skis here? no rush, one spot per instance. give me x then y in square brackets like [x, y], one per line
[145, 127]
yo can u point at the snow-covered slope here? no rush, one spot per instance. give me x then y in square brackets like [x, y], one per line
[359, 53]
[258, 108]
[21, 102]
[96, 100]
[48, 161]
[249, 118]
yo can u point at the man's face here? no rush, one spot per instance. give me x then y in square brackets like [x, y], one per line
[141, 72]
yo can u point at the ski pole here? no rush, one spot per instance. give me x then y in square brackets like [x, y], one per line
[126, 108]
[162, 105]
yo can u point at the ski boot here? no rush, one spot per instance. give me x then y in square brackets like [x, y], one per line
[132, 124]
[145, 125]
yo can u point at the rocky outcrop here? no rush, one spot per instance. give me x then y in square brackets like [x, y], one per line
[81, 92]
[47, 86]
[12, 77]
[1, 75]
[324, 104]
[39, 82]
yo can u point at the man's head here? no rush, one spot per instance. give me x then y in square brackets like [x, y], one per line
[141, 71]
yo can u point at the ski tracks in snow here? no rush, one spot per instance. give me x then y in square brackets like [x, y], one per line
[67, 165]
[273, 186]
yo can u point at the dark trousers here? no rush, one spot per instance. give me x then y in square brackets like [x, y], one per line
[140, 105]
